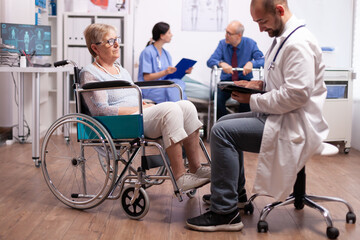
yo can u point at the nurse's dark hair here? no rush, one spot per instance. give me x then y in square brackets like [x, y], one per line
[269, 5]
[158, 29]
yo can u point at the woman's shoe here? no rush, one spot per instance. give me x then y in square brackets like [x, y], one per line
[203, 172]
[190, 181]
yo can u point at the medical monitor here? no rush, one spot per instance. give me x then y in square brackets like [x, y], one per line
[27, 38]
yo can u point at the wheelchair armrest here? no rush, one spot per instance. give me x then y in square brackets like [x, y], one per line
[106, 84]
[159, 84]
[154, 83]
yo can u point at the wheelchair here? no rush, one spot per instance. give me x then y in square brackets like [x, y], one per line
[86, 160]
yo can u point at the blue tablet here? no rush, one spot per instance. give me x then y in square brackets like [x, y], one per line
[181, 67]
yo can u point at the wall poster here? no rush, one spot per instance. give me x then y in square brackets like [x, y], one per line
[205, 15]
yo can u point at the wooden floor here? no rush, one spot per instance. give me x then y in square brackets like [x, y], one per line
[28, 210]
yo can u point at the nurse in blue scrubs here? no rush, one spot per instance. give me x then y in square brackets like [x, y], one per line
[155, 63]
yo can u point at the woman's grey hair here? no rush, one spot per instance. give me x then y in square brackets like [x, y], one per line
[95, 33]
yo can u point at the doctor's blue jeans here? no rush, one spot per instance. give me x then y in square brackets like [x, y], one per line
[230, 136]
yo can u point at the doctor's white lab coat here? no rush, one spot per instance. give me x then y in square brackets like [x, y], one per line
[295, 127]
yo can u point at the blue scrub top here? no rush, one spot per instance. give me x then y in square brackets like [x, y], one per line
[151, 62]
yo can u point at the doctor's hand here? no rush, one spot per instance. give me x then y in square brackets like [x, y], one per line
[241, 97]
[226, 67]
[247, 68]
[253, 84]
[189, 70]
[170, 70]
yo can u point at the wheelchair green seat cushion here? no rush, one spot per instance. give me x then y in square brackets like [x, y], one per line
[119, 127]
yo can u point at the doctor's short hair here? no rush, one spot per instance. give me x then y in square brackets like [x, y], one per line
[269, 5]
[95, 33]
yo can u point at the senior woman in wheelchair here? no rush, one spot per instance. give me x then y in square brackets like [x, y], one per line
[176, 122]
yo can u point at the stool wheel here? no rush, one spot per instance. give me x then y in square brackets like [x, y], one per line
[350, 217]
[141, 205]
[249, 208]
[299, 205]
[332, 232]
[262, 226]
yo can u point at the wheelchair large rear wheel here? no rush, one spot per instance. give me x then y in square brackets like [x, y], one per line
[70, 163]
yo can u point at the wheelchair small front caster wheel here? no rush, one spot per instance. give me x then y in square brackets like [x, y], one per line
[140, 207]
[350, 217]
[332, 232]
[262, 226]
[249, 208]
[191, 193]
[37, 163]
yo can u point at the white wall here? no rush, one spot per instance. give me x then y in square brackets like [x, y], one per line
[325, 25]
[12, 13]
[195, 45]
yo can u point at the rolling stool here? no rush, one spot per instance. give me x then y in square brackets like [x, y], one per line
[299, 198]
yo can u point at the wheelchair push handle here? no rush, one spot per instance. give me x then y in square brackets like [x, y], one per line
[60, 63]
[64, 62]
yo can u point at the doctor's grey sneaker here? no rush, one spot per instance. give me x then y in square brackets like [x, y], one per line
[242, 200]
[211, 222]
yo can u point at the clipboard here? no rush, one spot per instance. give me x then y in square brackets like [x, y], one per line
[232, 87]
[181, 67]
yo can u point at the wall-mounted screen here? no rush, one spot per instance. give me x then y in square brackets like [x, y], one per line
[28, 38]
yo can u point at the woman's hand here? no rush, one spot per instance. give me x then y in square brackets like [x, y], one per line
[147, 105]
[170, 70]
[189, 70]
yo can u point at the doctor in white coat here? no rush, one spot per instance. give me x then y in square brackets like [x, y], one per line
[286, 125]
